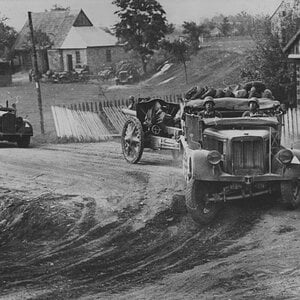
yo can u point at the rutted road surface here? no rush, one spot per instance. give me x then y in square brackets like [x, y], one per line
[78, 222]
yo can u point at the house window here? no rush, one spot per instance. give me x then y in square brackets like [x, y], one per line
[108, 55]
[77, 54]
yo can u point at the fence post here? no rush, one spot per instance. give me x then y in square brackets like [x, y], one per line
[92, 109]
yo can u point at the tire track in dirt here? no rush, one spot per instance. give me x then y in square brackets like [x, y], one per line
[138, 236]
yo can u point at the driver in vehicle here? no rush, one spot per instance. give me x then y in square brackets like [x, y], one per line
[209, 109]
[253, 108]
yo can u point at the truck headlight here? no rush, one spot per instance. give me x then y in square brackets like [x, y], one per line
[285, 156]
[214, 157]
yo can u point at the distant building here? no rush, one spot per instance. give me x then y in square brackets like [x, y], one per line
[75, 42]
[216, 32]
[292, 49]
[278, 19]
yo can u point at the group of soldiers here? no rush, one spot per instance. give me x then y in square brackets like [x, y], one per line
[210, 112]
[252, 91]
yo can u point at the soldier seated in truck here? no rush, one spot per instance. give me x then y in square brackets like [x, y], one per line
[209, 109]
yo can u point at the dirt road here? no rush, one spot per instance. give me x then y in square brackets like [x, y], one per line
[77, 221]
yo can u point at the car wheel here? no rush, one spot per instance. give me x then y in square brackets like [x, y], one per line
[196, 195]
[24, 141]
[132, 140]
[290, 194]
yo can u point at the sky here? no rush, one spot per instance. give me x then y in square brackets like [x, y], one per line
[101, 12]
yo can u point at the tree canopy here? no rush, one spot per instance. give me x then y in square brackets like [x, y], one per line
[8, 36]
[142, 25]
[194, 32]
[179, 51]
[41, 40]
[266, 61]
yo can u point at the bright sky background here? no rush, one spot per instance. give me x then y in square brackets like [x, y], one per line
[101, 12]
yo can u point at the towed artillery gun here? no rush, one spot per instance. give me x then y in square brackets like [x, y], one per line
[152, 125]
[236, 157]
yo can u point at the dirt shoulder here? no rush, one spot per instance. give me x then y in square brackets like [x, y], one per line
[77, 221]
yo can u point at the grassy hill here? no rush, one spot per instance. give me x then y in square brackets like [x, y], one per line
[217, 64]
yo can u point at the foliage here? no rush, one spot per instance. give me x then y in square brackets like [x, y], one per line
[41, 40]
[243, 23]
[239, 24]
[142, 25]
[8, 36]
[179, 51]
[266, 61]
[57, 7]
[194, 32]
[225, 26]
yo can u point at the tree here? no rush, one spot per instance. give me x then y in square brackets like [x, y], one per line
[42, 40]
[8, 36]
[57, 7]
[266, 61]
[142, 25]
[179, 51]
[225, 26]
[194, 32]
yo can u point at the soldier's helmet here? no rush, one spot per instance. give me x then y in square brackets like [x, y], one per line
[253, 100]
[267, 94]
[131, 98]
[209, 99]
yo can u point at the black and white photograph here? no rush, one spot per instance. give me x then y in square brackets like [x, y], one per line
[149, 149]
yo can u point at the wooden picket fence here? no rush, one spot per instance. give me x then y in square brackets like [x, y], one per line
[291, 128]
[79, 126]
[96, 121]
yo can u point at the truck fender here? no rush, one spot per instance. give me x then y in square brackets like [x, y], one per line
[198, 167]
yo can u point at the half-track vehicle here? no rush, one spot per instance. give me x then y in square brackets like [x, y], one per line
[14, 128]
[235, 157]
[152, 125]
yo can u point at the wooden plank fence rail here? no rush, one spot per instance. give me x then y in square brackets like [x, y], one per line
[78, 125]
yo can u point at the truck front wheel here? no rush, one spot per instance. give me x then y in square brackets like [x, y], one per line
[197, 204]
[290, 193]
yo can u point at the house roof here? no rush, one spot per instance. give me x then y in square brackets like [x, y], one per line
[275, 12]
[291, 41]
[56, 24]
[83, 37]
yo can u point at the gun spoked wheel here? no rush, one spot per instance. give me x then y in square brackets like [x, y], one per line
[196, 197]
[132, 140]
[290, 194]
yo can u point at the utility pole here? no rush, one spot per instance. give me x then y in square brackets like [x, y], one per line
[36, 75]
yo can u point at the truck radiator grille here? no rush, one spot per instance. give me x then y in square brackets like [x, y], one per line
[8, 123]
[247, 157]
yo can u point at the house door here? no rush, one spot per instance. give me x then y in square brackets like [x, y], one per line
[69, 62]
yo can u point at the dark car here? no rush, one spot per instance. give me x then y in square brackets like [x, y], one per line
[14, 128]
[236, 157]
[124, 77]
